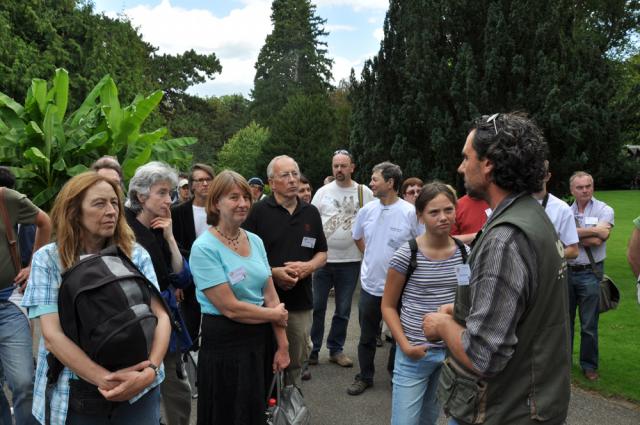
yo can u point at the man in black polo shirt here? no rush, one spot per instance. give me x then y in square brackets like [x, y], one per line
[296, 246]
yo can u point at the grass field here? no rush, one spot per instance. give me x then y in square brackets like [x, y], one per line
[619, 330]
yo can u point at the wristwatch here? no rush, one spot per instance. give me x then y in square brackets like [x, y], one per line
[154, 368]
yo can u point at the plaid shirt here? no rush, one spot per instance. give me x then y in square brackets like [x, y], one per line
[41, 297]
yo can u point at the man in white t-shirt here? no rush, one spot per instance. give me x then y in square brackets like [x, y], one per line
[338, 203]
[381, 227]
[561, 216]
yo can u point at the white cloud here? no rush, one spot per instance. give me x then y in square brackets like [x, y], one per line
[236, 39]
[356, 5]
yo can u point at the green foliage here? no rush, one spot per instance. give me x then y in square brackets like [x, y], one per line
[45, 146]
[443, 63]
[293, 59]
[243, 151]
[304, 129]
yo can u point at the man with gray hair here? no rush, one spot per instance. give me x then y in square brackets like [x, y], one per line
[292, 233]
[109, 167]
[594, 219]
[380, 228]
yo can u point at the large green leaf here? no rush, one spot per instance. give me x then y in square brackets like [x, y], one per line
[77, 169]
[45, 196]
[94, 142]
[61, 91]
[23, 173]
[89, 102]
[34, 154]
[51, 129]
[131, 164]
[39, 92]
[6, 101]
[174, 145]
[111, 106]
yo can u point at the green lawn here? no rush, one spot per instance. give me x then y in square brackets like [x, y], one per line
[619, 330]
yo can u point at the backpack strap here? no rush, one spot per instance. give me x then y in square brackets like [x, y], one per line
[11, 238]
[360, 196]
[462, 248]
[413, 265]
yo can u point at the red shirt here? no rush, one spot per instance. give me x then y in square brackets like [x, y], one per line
[470, 215]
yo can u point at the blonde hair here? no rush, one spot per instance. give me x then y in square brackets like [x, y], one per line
[67, 211]
[222, 184]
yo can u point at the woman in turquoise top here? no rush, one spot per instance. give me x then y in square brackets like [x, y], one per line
[241, 311]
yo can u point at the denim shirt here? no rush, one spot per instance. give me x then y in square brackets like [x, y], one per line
[41, 297]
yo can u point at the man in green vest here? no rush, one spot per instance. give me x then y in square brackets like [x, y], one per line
[507, 332]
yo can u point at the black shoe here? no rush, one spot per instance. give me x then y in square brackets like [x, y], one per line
[313, 359]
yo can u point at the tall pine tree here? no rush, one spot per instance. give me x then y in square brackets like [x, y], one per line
[444, 62]
[293, 59]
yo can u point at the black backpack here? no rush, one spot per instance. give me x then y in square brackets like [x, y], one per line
[104, 305]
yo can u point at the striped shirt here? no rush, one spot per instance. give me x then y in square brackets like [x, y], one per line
[432, 284]
[41, 297]
[503, 281]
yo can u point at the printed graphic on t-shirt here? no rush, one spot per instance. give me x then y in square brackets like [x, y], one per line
[344, 216]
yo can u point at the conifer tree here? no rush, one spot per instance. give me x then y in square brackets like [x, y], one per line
[443, 62]
[293, 59]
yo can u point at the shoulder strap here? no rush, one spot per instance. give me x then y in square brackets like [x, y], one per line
[545, 201]
[592, 261]
[413, 261]
[11, 239]
[360, 196]
[462, 248]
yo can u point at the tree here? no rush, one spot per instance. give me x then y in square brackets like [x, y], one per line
[45, 146]
[304, 130]
[293, 59]
[443, 63]
[243, 151]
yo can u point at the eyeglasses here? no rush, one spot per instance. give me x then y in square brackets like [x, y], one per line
[412, 192]
[203, 180]
[291, 174]
[493, 119]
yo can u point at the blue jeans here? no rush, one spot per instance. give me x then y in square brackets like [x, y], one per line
[5, 410]
[369, 315]
[145, 411]
[343, 277]
[16, 356]
[414, 388]
[584, 294]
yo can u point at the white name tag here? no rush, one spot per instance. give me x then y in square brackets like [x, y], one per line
[308, 242]
[488, 212]
[237, 275]
[591, 221]
[463, 274]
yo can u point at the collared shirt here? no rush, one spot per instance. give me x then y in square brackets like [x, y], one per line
[41, 297]
[594, 213]
[296, 236]
[561, 216]
[500, 288]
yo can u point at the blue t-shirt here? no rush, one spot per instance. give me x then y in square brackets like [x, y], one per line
[213, 263]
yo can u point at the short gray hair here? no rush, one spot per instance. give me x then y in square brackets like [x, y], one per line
[272, 163]
[146, 176]
[389, 170]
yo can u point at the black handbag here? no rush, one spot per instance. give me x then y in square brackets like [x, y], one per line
[609, 293]
[290, 408]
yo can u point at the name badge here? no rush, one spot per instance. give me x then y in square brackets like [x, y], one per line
[591, 221]
[308, 242]
[237, 275]
[488, 212]
[463, 274]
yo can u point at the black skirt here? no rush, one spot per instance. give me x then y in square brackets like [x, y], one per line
[234, 372]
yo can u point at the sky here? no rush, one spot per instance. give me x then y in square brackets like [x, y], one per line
[235, 30]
